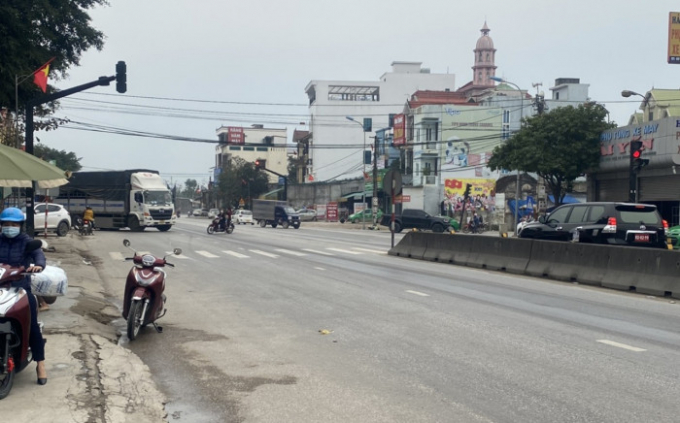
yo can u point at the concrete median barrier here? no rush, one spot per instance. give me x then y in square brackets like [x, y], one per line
[448, 248]
[645, 270]
[566, 261]
[412, 245]
[507, 254]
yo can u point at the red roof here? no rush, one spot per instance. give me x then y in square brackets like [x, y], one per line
[422, 98]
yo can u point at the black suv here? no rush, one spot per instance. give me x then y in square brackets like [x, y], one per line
[602, 223]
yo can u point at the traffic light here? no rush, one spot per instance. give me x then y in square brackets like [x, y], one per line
[260, 164]
[368, 124]
[121, 77]
[636, 160]
[468, 188]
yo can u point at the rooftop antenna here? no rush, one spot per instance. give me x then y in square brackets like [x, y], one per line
[536, 85]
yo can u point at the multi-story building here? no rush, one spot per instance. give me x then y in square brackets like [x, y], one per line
[251, 144]
[336, 144]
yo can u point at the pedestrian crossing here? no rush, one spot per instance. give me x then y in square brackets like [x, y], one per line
[275, 253]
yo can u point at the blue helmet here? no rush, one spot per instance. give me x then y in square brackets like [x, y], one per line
[12, 214]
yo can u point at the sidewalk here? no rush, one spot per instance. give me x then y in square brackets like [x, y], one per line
[90, 377]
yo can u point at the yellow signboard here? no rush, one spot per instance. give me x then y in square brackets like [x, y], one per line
[674, 38]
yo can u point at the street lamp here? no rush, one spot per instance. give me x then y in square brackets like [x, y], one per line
[363, 176]
[521, 117]
[628, 93]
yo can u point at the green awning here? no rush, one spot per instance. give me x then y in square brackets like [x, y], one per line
[356, 195]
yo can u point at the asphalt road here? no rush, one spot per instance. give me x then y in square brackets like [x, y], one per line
[320, 325]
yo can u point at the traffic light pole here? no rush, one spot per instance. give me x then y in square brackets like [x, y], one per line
[30, 192]
[285, 181]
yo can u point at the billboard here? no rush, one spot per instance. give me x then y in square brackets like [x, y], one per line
[482, 194]
[235, 135]
[674, 38]
[399, 137]
[469, 135]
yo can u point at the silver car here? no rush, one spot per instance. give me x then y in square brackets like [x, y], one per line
[307, 215]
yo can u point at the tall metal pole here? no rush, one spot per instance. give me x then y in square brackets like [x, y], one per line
[517, 192]
[374, 205]
[363, 188]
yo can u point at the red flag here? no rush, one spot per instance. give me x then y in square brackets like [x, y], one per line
[40, 76]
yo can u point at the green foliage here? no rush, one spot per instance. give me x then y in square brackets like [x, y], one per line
[64, 160]
[559, 146]
[189, 190]
[240, 180]
[34, 31]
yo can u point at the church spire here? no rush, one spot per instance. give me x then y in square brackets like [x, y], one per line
[485, 53]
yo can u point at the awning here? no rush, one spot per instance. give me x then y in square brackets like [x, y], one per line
[271, 193]
[355, 196]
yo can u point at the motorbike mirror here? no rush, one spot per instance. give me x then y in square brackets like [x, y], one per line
[177, 251]
[126, 242]
[541, 219]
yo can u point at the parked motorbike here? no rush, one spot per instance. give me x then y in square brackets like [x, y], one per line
[84, 227]
[144, 300]
[15, 324]
[215, 227]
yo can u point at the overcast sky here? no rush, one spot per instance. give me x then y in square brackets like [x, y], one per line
[248, 62]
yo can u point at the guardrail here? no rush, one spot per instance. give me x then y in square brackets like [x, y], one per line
[645, 270]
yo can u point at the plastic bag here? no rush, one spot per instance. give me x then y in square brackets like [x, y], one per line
[51, 282]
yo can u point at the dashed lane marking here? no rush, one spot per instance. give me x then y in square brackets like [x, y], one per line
[323, 253]
[319, 268]
[422, 294]
[340, 250]
[618, 345]
[368, 250]
[294, 253]
[235, 254]
[264, 253]
[206, 254]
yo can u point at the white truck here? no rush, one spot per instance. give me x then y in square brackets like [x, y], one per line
[136, 199]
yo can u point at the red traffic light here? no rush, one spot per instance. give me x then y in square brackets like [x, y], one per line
[637, 154]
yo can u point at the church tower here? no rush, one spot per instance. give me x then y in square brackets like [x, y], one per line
[484, 67]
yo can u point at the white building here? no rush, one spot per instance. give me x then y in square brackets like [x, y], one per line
[336, 143]
[257, 143]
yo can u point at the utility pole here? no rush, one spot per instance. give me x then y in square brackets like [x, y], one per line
[375, 182]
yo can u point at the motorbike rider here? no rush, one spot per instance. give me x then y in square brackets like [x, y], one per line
[88, 216]
[13, 252]
[228, 216]
[475, 223]
[223, 218]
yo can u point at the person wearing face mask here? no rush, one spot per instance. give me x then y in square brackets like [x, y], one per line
[13, 252]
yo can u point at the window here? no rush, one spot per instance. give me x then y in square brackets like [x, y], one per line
[232, 148]
[248, 148]
[430, 133]
[595, 213]
[261, 149]
[505, 127]
[577, 214]
[557, 95]
[559, 215]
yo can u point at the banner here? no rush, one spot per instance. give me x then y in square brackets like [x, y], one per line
[235, 135]
[482, 194]
[399, 131]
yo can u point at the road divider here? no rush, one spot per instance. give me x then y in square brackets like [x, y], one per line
[646, 270]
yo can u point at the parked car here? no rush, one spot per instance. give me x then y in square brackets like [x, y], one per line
[197, 212]
[674, 235]
[243, 217]
[58, 218]
[367, 215]
[624, 224]
[416, 219]
[212, 213]
[307, 215]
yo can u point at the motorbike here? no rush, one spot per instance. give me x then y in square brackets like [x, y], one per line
[144, 300]
[15, 324]
[215, 227]
[84, 227]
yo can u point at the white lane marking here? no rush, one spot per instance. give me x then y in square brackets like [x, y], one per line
[369, 250]
[206, 254]
[624, 346]
[319, 268]
[340, 250]
[417, 293]
[181, 256]
[317, 252]
[116, 255]
[264, 253]
[235, 254]
[295, 253]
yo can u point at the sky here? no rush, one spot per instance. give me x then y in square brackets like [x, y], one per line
[193, 66]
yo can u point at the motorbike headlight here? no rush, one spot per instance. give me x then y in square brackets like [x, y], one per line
[148, 260]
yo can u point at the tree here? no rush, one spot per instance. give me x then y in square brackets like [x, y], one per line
[63, 160]
[35, 31]
[559, 146]
[189, 188]
[240, 180]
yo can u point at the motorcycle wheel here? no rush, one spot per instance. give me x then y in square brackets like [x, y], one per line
[134, 319]
[211, 230]
[6, 383]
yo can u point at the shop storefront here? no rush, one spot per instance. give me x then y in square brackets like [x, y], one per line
[658, 182]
